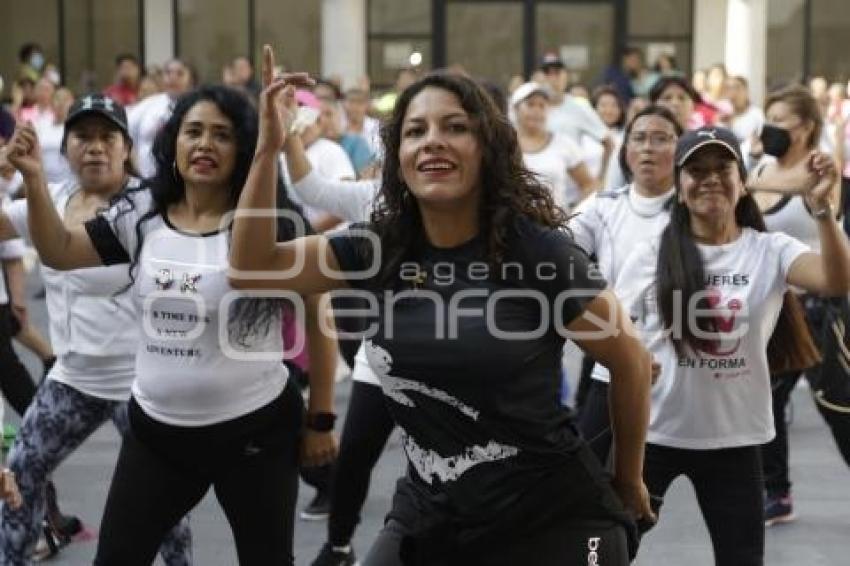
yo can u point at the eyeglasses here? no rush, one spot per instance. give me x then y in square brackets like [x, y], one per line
[655, 139]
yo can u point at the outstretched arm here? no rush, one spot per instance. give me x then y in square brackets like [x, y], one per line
[60, 247]
[631, 376]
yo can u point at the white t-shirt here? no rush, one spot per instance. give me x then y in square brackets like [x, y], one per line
[56, 167]
[793, 218]
[372, 133]
[145, 120]
[610, 225]
[9, 249]
[575, 119]
[748, 123]
[329, 160]
[552, 164]
[350, 200]
[593, 151]
[186, 373]
[92, 323]
[719, 397]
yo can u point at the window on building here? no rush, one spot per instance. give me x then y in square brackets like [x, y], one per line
[211, 33]
[34, 21]
[399, 37]
[95, 32]
[785, 42]
[294, 28]
[829, 30]
[495, 55]
[582, 34]
[662, 27]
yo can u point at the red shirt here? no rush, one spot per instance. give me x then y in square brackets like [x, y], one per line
[121, 93]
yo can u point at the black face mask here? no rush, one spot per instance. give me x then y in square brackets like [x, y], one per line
[775, 140]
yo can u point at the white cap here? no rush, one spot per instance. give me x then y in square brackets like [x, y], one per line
[527, 89]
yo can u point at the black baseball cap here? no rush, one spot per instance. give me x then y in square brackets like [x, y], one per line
[97, 105]
[551, 60]
[694, 140]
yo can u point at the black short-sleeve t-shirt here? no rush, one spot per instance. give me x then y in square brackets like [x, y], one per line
[469, 360]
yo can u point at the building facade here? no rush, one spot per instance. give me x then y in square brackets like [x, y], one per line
[769, 41]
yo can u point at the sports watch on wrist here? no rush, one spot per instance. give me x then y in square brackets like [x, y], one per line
[320, 422]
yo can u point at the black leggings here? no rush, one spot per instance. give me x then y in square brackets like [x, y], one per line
[163, 471]
[729, 489]
[579, 543]
[570, 516]
[367, 427]
[775, 453]
[15, 381]
[594, 421]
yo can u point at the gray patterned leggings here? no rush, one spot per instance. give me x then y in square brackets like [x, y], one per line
[58, 420]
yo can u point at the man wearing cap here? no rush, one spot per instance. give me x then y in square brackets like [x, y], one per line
[568, 116]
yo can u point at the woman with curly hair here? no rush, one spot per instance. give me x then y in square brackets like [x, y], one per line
[497, 473]
[211, 404]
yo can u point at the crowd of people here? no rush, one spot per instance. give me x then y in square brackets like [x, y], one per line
[210, 251]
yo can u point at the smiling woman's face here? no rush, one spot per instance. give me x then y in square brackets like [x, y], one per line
[439, 155]
[711, 185]
[206, 146]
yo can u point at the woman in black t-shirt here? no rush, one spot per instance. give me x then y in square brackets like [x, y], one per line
[474, 285]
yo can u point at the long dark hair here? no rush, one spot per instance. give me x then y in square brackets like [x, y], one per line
[166, 187]
[509, 190]
[680, 274]
[651, 110]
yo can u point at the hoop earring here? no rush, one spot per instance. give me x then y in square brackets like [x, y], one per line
[174, 170]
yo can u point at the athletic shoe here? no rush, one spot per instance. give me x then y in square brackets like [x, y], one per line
[330, 557]
[319, 509]
[778, 509]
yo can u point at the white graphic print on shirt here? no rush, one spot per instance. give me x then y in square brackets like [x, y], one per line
[427, 462]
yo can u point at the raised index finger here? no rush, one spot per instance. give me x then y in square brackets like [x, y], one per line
[268, 65]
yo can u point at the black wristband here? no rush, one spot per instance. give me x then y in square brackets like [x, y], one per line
[320, 422]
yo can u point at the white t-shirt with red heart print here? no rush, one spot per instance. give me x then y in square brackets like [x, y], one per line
[718, 396]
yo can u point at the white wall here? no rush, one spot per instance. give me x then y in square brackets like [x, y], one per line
[709, 32]
[159, 31]
[746, 43]
[733, 32]
[344, 39]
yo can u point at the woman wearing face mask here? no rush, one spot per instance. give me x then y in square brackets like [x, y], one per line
[610, 224]
[495, 474]
[791, 133]
[557, 159]
[93, 331]
[211, 404]
[708, 297]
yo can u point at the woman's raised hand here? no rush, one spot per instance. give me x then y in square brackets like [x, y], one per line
[23, 151]
[277, 103]
[824, 179]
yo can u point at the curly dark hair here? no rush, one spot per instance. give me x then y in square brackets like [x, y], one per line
[167, 188]
[509, 190]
